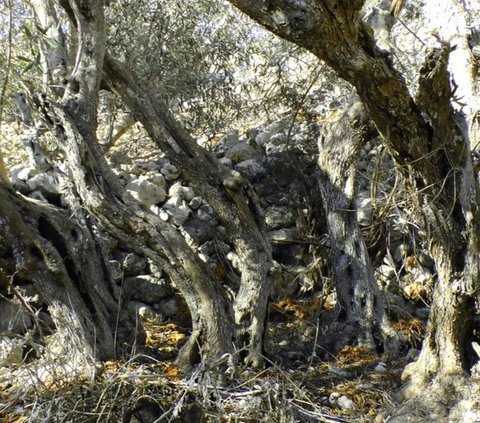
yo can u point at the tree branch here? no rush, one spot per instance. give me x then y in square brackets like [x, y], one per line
[334, 32]
[81, 95]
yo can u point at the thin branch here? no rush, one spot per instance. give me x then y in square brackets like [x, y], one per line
[3, 92]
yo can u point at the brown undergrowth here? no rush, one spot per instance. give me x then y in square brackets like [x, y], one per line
[297, 386]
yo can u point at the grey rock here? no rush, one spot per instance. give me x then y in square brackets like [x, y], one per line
[214, 248]
[117, 158]
[157, 179]
[225, 161]
[252, 169]
[273, 149]
[177, 190]
[278, 139]
[278, 126]
[146, 289]
[124, 176]
[195, 203]
[21, 186]
[145, 192]
[178, 211]
[341, 401]
[116, 270]
[132, 169]
[345, 403]
[301, 139]
[198, 230]
[151, 165]
[380, 367]
[279, 217]
[170, 171]
[364, 211]
[21, 173]
[131, 263]
[386, 271]
[284, 236]
[263, 138]
[140, 309]
[46, 183]
[252, 133]
[168, 307]
[240, 152]
[206, 213]
[163, 214]
[229, 140]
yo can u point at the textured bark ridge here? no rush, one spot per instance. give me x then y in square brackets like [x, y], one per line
[452, 223]
[230, 196]
[97, 191]
[61, 259]
[431, 153]
[361, 307]
[92, 189]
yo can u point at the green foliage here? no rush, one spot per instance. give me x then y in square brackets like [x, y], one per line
[214, 66]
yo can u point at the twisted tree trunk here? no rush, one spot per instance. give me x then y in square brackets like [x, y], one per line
[41, 244]
[361, 307]
[232, 198]
[432, 154]
[97, 192]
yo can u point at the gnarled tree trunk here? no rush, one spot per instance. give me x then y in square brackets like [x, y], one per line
[432, 154]
[228, 194]
[97, 191]
[360, 309]
[43, 245]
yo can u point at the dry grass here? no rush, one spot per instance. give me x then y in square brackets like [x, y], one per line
[152, 390]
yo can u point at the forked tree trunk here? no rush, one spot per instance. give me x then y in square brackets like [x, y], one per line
[232, 198]
[360, 315]
[432, 154]
[97, 191]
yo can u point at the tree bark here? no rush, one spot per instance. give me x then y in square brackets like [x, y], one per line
[232, 198]
[99, 193]
[361, 306]
[41, 244]
[432, 155]
[53, 53]
[453, 225]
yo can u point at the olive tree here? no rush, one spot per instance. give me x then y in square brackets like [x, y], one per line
[96, 199]
[430, 143]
